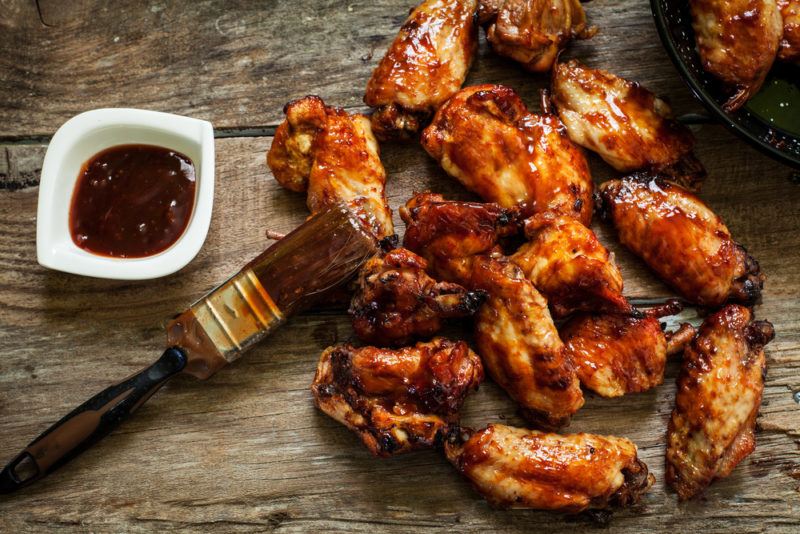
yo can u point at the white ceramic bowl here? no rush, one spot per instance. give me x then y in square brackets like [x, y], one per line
[85, 135]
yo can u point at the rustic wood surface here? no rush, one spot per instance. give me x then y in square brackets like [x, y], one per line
[246, 450]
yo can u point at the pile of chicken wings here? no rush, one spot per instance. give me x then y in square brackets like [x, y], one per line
[464, 259]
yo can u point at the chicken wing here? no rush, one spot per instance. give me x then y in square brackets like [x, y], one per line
[425, 65]
[790, 43]
[485, 138]
[737, 41]
[396, 400]
[396, 301]
[618, 354]
[533, 32]
[719, 393]
[334, 156]
[519, 468]
[566, 262]
[627, 125]
[682, 240]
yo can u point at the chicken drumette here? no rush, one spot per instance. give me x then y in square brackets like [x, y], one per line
[396, 301]
[334, 156]
[682, 240]
[425, 65]
[485, 137]
[519, 468]
[566, 262]
[719, 393]
[619, 354]
[737, 41]
[790, 44]
[627, 125]
[533, 32]
[396, 400]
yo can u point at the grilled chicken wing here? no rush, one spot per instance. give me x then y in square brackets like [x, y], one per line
[682, 240]
[566, 262]
[425, 65]
[627, 125]
[485, 137]
[719, 393]
[618, 354]
[533, 32]
[790, 44]
[518, 468]
[396, 301]
[334, 156]
[450, 234]
[396, 400]
[520, 346]
[737, 41]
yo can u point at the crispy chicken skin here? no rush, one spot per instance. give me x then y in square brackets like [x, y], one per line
[719, 393]
[790, 44]
[519, 468]
[737, 41]
[682, 240]
[424, 66]
[627, 125]
[533, 32]
[619, 354]
[396, 301]
[486, 139]
[396, 400]
[520, 346]
[450, 234]
[567, 263]
[334, 156]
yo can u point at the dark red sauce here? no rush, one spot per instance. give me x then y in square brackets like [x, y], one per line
[132, 201]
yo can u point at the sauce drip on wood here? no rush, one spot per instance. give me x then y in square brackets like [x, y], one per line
[132, 201]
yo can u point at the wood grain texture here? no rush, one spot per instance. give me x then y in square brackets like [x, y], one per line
[246, 450]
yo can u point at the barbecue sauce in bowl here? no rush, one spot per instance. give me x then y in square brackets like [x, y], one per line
[132, 201]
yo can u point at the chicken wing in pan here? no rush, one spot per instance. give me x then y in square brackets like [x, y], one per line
[627, 125]
[334, 156]
[424, 66]
[719, 393]
[396, 400]
[519, 468]
[790, 43]
[682, 240]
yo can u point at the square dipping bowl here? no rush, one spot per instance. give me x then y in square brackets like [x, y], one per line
[82, 137]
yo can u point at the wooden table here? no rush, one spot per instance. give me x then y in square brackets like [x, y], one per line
[247, 451]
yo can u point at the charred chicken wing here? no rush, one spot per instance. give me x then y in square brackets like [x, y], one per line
[485, 138]
[533, 32]
[396, 400]
[719, 393]
[425, 65]
[566, 262]
[627, 125]
[790, 44]
[519, 468]
[737, 41]
[396, 301]
[682, 240]
[334, 156]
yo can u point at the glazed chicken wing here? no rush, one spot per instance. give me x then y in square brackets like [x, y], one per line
[396, 400]
[790, 44]
[627, 125]
[682, 240]
[334, 156]
[719, 393]
[737, 41]
[396, 301]
[485, 138]
[519, 468]
[425, 65]
[533, 32]
[619, 354]
[566, 262]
